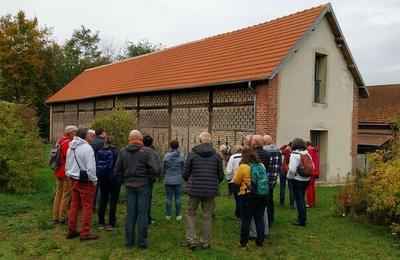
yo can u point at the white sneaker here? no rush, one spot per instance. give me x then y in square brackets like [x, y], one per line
[178, 217]
[168, 217]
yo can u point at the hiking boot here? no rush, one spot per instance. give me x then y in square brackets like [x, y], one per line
[55, 222]
[90, 237]
[102, 227]
[296, 223]
[191, 246]
[242, 246]
[72, 234]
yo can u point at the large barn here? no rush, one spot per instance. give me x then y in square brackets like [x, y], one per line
[290, 77]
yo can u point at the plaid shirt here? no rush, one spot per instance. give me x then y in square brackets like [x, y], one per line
[275, 163]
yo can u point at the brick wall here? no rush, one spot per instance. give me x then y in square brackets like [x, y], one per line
[267, 107]
[354, 129]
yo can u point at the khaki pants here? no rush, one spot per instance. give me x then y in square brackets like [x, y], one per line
[207, 210]
[62, 199]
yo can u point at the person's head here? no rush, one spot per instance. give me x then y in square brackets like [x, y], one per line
[111, 142]
[267, 140]
[174, 144]
[237, 148]
[83, 132]
[92, 135]
[70, 130]
[247, 140]
[135, 135]
[100, 132]
[298, 144]
[249, 156]
[308, 144]
[223, 149]
[147, 140]
[258, 141]
[205, 138]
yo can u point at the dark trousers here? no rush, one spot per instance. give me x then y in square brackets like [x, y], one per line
[271, 207]
[299, 190]
[109, 192]
[235, 189]
[231, 188]
[137, 203]
[173, 191]
[96, 196]
[151, 184]
[252, 207]
[282, 184]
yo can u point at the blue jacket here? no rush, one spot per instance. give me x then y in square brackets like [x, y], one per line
[173, 167]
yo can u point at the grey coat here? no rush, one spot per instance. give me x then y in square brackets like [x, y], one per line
[173, 167]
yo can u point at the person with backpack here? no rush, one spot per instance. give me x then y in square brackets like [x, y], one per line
[300, 169]
[58, 157]
[110, 185]
[252, 178]
[81, 169]
[314, 153]
[97, 142]
[173, 169]
[233, 165]
[139, 167]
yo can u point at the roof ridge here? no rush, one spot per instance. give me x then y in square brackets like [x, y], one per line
[385, 85]
[207, 38]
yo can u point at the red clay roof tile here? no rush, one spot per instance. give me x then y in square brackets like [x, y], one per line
[246, 54]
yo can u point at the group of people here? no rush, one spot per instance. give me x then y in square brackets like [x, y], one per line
[90, 164]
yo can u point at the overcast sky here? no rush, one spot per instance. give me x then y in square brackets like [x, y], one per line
[371, 28]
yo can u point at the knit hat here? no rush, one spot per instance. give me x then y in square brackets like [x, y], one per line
[70, 129]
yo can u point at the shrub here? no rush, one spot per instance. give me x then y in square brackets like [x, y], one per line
[375, 193]
[20, 147]
[119, 122]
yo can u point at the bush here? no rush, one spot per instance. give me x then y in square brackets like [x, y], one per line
[375, 193]
[119, 122]
[20, 147]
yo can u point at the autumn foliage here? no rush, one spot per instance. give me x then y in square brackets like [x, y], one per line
[376, 192]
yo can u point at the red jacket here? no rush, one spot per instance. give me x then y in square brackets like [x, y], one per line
[286, 151]
[64, 141]
[313, 151]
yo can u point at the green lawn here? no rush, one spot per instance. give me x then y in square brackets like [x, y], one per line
[26, 232]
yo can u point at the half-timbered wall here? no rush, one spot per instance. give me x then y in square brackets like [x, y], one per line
[226, 112]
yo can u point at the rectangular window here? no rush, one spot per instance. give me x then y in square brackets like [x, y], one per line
[320, 72]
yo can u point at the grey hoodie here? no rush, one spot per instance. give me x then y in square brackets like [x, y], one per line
[83, 160]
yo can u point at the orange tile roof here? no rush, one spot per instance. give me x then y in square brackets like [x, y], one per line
[382, 106]
[246, 54]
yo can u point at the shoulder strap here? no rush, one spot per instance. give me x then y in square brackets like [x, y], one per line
[77, 161]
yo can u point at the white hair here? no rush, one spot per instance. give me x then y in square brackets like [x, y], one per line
[205, 138]
[91, 132]
[135, 134]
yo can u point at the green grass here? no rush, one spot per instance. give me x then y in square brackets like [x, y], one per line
[25, 232]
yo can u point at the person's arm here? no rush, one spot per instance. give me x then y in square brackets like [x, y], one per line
[90, 164]
[187, 168]
[229, 168]
[68, 162]
[238, 176]
[221, 173]
[153, 164]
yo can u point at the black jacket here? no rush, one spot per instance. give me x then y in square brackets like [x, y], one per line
[203, 171]
[137, 164]
[97, 143]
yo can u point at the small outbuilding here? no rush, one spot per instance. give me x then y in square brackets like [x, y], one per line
[290, 77]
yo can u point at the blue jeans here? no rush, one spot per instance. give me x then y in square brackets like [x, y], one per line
[173, 190]
[299, 190]
[282, 184]
[137, 203]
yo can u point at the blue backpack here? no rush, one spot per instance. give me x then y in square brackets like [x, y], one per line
[104, 167]
[259, 180]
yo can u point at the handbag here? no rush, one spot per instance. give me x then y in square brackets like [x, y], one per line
[83, 176]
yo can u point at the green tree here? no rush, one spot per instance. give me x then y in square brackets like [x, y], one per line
[140, 48]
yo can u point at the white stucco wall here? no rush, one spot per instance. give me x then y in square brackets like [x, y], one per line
[297, 114]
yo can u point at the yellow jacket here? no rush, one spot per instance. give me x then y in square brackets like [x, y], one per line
[242, 177]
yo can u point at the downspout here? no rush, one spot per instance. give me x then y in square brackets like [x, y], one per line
[254, 103]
